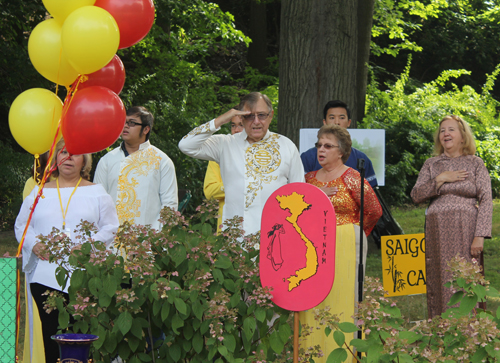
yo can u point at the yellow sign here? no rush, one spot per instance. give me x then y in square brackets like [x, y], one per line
[403, 264]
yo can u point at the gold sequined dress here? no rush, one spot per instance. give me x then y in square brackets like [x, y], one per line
[343, 296]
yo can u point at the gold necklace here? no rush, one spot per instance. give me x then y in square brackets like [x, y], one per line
[69, 200]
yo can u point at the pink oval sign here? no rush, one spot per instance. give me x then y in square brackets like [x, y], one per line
[297, 246]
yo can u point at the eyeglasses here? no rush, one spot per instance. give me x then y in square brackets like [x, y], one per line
[326, 146]
[260, 116]
[132, 123]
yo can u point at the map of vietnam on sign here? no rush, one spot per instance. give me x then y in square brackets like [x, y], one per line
[297, 246]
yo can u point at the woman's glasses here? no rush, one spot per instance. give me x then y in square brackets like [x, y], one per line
[326, 146]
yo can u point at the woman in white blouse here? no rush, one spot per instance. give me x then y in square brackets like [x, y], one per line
[67, 201]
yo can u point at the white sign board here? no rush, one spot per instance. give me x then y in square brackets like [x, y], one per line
[369, 141]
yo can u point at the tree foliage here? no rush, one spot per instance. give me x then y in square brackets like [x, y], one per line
[410, 115]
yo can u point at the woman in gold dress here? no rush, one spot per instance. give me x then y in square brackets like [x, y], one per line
[343, 186]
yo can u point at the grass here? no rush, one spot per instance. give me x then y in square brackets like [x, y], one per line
[412, 219]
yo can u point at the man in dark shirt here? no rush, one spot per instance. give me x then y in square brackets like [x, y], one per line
[337, 113]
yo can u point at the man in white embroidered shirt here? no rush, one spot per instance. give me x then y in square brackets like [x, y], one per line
[139, 177]
[253, 163]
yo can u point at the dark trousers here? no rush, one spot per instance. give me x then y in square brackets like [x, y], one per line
[50, 321]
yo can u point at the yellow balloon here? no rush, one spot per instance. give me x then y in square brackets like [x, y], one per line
[45, 51]
[33, 119]
[90, 38]
[60, 9]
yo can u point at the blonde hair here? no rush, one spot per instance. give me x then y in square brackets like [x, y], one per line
[87, 161]
[469, 145]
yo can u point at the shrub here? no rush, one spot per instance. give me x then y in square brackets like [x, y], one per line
[201, 290]
[461, 334]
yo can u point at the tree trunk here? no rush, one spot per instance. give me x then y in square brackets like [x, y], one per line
[257, 51]
[324, 49]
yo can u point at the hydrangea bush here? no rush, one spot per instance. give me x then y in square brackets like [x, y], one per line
[200, 290]
[461, 334]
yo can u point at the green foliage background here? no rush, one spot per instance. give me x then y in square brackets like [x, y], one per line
[410, 115]
[193, 66]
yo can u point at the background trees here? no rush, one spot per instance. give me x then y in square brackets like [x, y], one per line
[198, 60]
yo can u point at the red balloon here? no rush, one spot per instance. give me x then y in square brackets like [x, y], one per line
[94, 120]
[111, 76]
[134, 18]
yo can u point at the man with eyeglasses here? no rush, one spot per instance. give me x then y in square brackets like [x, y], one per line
[337, 113]
[139, 177]
[253, 163]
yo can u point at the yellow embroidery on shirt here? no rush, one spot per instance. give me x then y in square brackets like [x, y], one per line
[262, 158]
[140, 163]
[203, 129]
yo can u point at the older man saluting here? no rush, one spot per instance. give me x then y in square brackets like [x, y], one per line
[253, 163]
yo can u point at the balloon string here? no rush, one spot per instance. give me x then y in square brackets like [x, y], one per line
[46, 175]
[71, 91]
[36, 166]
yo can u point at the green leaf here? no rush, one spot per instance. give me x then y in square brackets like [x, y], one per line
[339, 338]
[360, 344]
[197, 342]
[61, 277]
[229, 285]
[177, 323]
[338, 355]
[110, 285]
[347, 327]
[275, 341]
[229, 342]
[405, 358]
[175, 352]
[102, 334]
[480, 291]
[94, 284]
[456, 298]
[124, 322]
[136, 328]
[77, 279]
[373, 353]
[260, 314]
[180, 305]
[198, 309]
[157, 305]
[165, 310]
[235, 300]
[188, 331]
[223, 262]
[104, 299]
[223, 350]
[124, 351]
[179, 255]
[468, 303]
[410, 336]
[63, 319]
[218, 275]
[479, 355]
[111, 343]
[249, 326]
[133, 343]
[285, 332]
[328, 331]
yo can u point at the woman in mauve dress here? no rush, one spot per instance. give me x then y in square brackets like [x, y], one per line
[458, 187]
